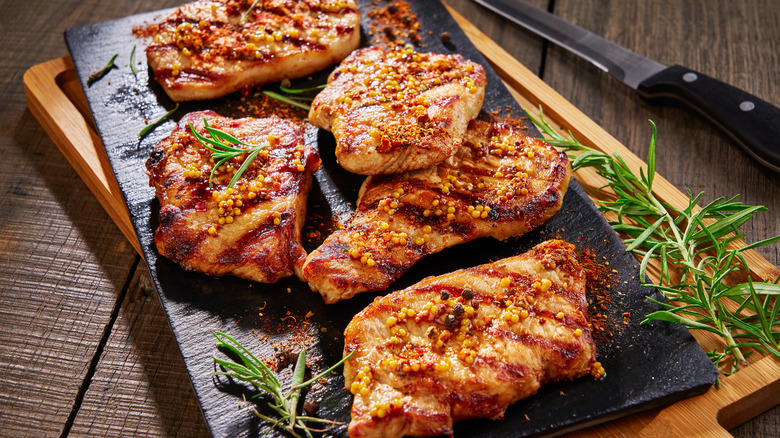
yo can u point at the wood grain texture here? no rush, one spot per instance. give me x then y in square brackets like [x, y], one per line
[140, 359]
[63, 262]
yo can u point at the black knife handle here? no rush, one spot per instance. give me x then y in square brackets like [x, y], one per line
[752, 122]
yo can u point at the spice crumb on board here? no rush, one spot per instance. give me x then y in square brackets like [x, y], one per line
[600, 295]
[394, 24]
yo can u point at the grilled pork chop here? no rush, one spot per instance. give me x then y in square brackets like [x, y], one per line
[467, 344]
[207, 49]
[500, 184]
[396, 111]
[251, 230]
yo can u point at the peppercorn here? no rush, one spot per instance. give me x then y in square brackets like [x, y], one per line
[458, 309]
[445, 295]
[467, 294]
[445, 37]
[451, 321]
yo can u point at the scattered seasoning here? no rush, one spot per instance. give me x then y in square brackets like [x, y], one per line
[256, 104]
[599, 282]
[394, 24]
[97, 75]
[445, 37]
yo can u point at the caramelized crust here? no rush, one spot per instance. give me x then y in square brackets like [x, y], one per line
[468, 344]
[206, 50]
[251, 230]
[499, 184]
[395, 111]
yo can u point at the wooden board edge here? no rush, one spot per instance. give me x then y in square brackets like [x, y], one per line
[77, 141]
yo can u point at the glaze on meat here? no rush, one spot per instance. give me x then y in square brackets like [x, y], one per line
[468, 344]
[395, 111]
[500, 183]
[252, 230]
[206, 49]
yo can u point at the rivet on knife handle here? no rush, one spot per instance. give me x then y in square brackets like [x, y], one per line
[752, 122]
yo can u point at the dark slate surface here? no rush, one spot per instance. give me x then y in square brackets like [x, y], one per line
[646, 365]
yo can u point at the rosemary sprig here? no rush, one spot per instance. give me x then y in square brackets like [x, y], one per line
[696, 243]
[289, 90]
[293, 99]
[95, 76]
[221, 152]
[148, 128]
[248, 368]
[132, 62]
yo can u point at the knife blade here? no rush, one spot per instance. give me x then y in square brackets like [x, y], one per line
[752, 122]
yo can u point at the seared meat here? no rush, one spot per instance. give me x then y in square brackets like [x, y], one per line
[207, 49]
[468, 344]
[251, 230]
[500, 184]
[396, 111]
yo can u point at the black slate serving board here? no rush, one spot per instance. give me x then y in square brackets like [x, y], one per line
[647, 365]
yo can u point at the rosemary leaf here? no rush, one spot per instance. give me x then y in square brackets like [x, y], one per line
[148, 128]
[96, 76]
[248, 11]
[300, 90]
[132, 62]
[287, 100]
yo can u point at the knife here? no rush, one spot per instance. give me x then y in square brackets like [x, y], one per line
[753, 123]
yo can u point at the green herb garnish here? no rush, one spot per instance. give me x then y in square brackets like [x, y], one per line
[102, 72]
[248, 368]
[157, 122]
[300, 90]
[248, 11]
[294, 101]
[695, 242]
[221, 152]
[132, 62]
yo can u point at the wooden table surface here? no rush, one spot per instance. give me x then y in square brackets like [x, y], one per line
[85, 346]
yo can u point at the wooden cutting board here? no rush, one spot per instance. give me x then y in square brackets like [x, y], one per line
[55, 97]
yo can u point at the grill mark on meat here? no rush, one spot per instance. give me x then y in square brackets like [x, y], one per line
[251, 230]
[417, 386]
[397, 111]
[482, 191]
[206, 50]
